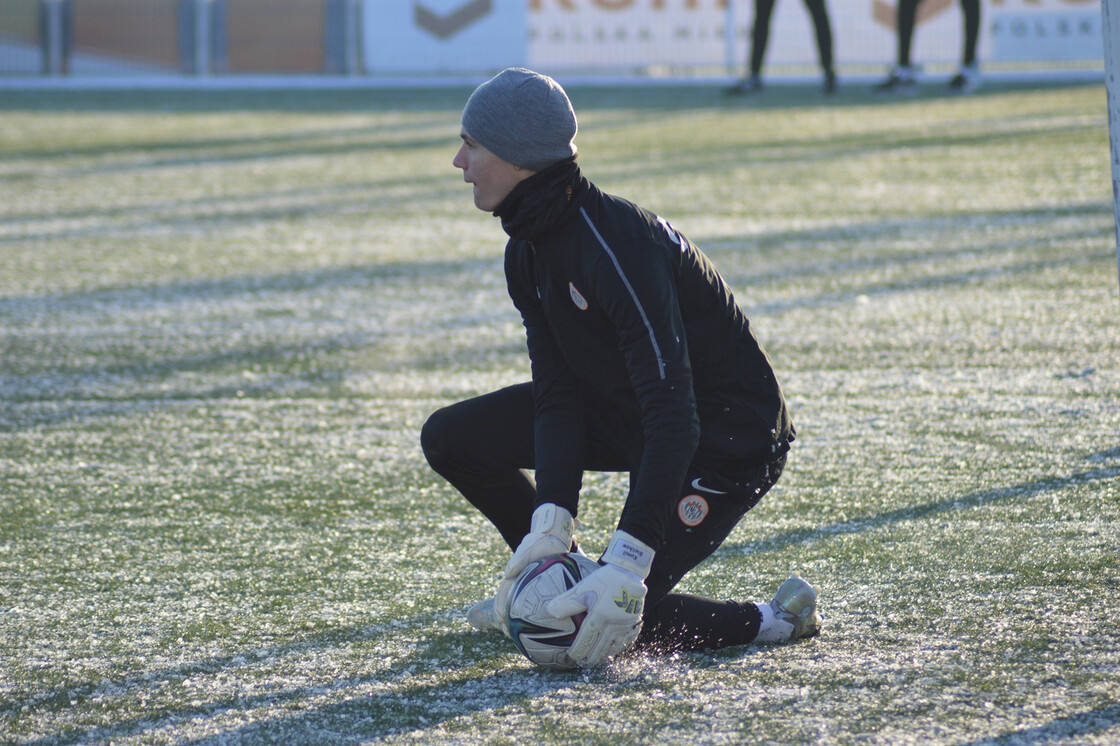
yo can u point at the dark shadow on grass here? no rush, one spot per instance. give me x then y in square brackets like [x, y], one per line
[158, 294]
[197, 154]
[309, 361]
[325, 279]
[918, 284]
[1007, 256]
[189, 216]
[789, 150]
[1059, 730]
[200, 150]
[45, 374]
[882, 232]
[1023, 491]
[1105, 455]
[399, 708]
[413, 707]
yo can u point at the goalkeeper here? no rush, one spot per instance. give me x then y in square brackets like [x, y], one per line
[641, 362]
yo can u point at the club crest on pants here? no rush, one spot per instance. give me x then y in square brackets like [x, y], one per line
[692, 510]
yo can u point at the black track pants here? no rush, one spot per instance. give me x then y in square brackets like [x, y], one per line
[908, 16]
[484, 447]
[760, 33]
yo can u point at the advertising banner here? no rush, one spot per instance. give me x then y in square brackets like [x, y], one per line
[870, 33]
[683, 33]
[443, 36]
[627, 33]
[479, 36]
[1045, 29]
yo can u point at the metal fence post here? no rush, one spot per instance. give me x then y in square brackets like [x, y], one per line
[203, 42]
[54, 34]
[730, 43]
[218, 39]
[201, 37]
[342, 34]
[1110, 27]
[353, 39]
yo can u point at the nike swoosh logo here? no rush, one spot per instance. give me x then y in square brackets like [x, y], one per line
[697, 486]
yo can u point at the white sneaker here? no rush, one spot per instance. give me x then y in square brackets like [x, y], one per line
[751, 84]
[796, 604]
[483, 616]
[900, 80]
[966, 80]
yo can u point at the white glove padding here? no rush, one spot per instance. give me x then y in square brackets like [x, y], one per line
[613, 597]
[549, 533]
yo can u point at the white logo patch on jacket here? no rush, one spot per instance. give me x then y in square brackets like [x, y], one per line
[673, 235]
[577, 297]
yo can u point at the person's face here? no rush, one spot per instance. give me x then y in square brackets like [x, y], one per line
[492, 177]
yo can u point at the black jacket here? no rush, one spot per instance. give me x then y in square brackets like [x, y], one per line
[622, 311]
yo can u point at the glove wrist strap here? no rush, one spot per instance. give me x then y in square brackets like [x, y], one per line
[630, 554]
[550, 518]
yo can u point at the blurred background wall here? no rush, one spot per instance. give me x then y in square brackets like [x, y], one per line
[434, 37]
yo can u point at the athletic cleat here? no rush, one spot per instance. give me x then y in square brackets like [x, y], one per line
[900, 81]
[828, 86]
[966, 80]
[753, 84]
[796, 603]
[483, 616]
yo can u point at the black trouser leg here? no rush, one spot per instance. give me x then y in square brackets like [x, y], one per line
[760, 34]
[907, 15]
[685, 623]
[707, 512]
[482, 447]
[971, 10]
[823, 30]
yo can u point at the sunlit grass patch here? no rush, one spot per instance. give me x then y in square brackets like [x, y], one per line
[224, 319]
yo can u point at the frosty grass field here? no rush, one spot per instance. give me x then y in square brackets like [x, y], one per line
[224, 317]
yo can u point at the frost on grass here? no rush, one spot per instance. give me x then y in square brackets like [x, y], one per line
[218, 353]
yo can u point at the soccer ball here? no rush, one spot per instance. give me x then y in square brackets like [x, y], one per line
[541, 637]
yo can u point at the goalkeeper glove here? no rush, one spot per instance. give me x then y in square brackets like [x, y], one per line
[613, 597]
[549, 533]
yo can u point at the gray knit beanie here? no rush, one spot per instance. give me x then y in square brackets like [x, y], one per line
[522, 117]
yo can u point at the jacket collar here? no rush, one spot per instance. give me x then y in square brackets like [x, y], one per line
[543, 201]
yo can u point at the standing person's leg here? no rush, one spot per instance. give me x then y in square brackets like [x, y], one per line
[760, 37]
[971, 9]
[907, 18]
[709, 508]
[968, 77]
[760, 34]
[901, 78]
[823, 30]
